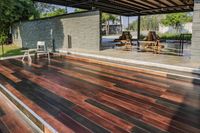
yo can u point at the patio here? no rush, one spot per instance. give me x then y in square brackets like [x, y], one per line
[148, 57]
[82, 96]
[65, 34]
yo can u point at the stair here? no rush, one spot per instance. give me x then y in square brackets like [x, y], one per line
[38, 122]
[173, 72]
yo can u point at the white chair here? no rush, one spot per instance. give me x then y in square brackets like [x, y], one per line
[27, 54]
[42, 49]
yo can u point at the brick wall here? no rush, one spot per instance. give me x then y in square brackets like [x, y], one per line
[80, 30]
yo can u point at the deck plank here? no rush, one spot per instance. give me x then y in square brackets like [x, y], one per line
[81, 95]
[11, 120]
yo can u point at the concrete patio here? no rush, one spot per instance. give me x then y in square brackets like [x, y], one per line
[148, 57]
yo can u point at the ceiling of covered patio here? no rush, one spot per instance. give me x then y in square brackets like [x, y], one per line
[129, 7]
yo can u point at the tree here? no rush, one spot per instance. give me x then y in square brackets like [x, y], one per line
[49, 10]
[176, 20]
[14, 10]
[56, 12]
[147, 23]
[79, 10]
[106, 18]
[44, 7]
[133, 25]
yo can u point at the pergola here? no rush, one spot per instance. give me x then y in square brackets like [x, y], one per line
[129, 7]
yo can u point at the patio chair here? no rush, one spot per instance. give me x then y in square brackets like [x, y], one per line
[151, 43]
[125, 40]
[42, 49]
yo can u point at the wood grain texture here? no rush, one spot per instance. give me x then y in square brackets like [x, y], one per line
[83, 95]
[12, 121]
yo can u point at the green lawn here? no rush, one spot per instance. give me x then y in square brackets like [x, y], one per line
[10, 50]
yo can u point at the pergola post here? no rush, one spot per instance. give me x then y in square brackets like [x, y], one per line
[100, 30]
[138, 32]
[121, 23]
[128, 23]
[195, 47]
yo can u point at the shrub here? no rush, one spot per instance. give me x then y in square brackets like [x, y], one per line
[170, 36]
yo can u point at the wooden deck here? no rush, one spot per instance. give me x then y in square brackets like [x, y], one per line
[73, 95]
[12, 120]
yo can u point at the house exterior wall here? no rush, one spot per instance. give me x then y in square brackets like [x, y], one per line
[186, 28]
[195, 48]
[78, 30]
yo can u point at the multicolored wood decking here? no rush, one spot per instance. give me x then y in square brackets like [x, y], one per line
[77, 96]
[12, 120]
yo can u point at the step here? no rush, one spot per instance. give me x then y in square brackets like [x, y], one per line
[38, 122]
[132, 61]
[18, 123]
[173, 72]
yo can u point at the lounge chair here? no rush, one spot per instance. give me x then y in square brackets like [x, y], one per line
[151, 43]
[125, 40]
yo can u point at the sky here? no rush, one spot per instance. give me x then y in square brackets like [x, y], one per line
[70, 9]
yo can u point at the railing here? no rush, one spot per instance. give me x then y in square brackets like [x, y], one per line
[183, 40]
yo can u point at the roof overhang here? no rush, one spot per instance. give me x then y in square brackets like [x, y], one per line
[129, 7]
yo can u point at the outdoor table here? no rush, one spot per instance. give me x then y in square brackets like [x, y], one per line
[127, 43]
[154, 46]
[27, 54]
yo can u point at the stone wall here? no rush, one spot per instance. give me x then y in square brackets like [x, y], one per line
[78, 30]
[195, 49]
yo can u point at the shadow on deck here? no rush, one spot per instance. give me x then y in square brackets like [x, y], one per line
[74, 94]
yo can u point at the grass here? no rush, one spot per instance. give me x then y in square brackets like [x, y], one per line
[171, 36]
[10, 50]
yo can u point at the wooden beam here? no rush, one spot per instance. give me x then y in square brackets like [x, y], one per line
[161, 2]
[124, 5]
[127, 7]
[166, 12]
[131, 4]
[146, 3]
[173, 2]
[137, 4]
[109, 10]
[184, 2]
[115, 7]
[164, 9]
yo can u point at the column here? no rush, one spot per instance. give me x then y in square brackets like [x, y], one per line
[195, 47]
